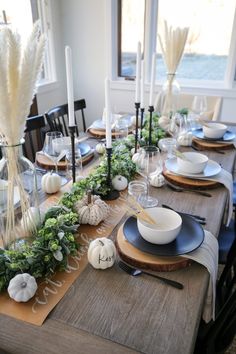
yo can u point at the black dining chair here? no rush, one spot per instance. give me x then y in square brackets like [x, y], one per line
[216, 336]
[57, 117]
[34, 136]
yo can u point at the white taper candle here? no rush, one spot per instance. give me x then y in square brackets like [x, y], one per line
[153, 79]
[69, 83]
[108, 113]
[138, 72]
[142, 85]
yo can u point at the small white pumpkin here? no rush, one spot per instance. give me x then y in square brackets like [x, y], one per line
[119, 183]
[91, 209]
[133, 120]
[100, 148]
[31, 219]
[51, 182]
[185, 139]
[22, 287]
[102, 253]
[164, 122]
[79, 178]
[139, 159]
[157, 180]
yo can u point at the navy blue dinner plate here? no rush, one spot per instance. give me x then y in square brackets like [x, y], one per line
[84, 148]
[189, 239]
[228, 136]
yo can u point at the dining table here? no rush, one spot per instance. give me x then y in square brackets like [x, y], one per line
[109, 311]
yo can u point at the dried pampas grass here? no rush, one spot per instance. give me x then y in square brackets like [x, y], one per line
[172, 46]
[19, 70]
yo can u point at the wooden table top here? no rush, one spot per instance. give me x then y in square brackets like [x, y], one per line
[112, 312]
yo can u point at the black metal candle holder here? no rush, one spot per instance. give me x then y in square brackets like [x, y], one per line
[151, 110]
[111, 194]
[72, 131]
[141, 124]
[137, 106]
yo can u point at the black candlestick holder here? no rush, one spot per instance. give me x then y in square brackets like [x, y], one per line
[151, 110]
[137, 106]
[141, 123]
[111, 194]
[72, 130]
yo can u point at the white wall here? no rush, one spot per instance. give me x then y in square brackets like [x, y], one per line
[83, 24]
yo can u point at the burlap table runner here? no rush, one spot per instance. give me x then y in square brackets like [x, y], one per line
[50, 291]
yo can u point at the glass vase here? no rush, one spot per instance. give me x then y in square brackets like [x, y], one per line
[170, 96]
[19, 212]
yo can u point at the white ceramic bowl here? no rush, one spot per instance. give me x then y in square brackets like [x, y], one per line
[3, 191]
[167, 229]
[63, 143]
[214, 130]
[195, 162]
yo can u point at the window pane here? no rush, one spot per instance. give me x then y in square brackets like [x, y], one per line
[208, 42]
[132, 31]
[18, 15]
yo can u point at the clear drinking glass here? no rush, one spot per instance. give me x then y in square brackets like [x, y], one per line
[138, 190]
[147, 164]
[168, 145]
[78, 164]
[121, 128]
[51, 149]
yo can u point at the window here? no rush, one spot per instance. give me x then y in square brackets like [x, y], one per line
[131, 31]
[20, 16]
[207, 51]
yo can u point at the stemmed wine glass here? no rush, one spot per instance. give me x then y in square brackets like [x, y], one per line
[148, 163]
[51, 147]
[199, 105]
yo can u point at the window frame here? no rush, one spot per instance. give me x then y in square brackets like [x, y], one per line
[226, 87]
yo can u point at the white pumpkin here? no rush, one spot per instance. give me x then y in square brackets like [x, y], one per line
[31, 219]
[119, 183]
[139, 159]
[157, 180]
[79, 178]
[91, 209]
[100, 148]
[22, 287]
[133, 120]
[102, 253]
[51, 183]
[164, 122]
[185, 139]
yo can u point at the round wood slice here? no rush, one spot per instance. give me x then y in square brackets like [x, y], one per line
[188, 182]
[143, 260]
[44, 162]
[210, 145]
[99, 133]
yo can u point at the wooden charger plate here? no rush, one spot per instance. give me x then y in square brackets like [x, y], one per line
[139, 259]
[44, 162]
[209, 145]
[188, 182]
[99, 133]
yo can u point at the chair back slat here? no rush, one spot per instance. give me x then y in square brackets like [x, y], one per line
[33, 136]
[57, 117]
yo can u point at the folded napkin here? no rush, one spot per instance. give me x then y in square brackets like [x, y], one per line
[207, 255]
[225, 178]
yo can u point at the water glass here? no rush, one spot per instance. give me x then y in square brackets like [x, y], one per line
[121, 128]
[168, 145]
[50, 149]
[138, 190]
